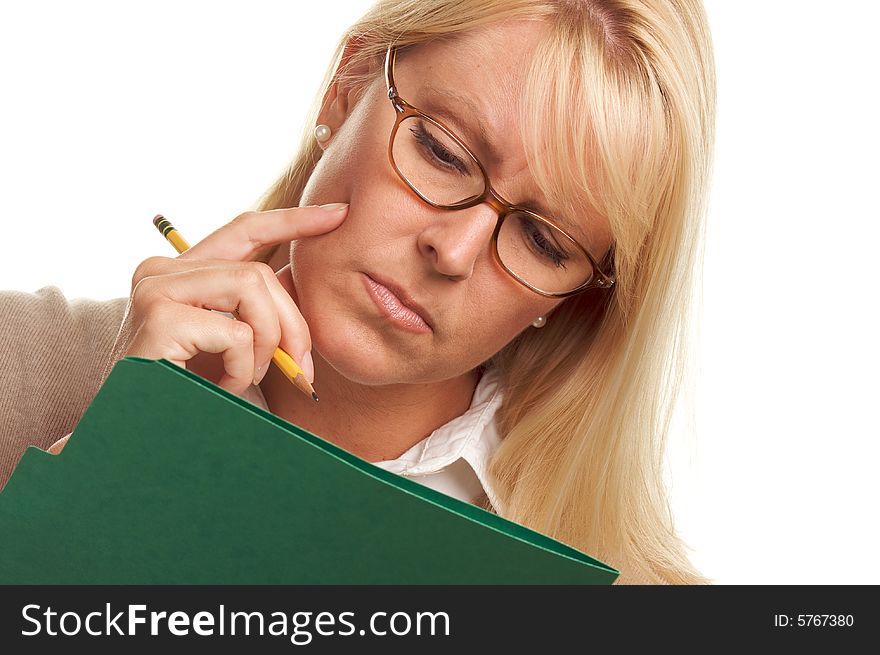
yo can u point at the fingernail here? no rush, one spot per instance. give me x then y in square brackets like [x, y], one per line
[334, 206]
[260, 373]
[308, 366]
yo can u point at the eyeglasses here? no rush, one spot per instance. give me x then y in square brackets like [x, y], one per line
[442, 171]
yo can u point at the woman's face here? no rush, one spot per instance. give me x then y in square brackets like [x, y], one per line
[441, 259]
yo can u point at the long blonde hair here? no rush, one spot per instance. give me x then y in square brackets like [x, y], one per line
[618, 116]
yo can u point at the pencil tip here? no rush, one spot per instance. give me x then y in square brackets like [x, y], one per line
[315, 396]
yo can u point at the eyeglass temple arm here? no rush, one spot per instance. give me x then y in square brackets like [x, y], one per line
[389, 72]
[607, 264]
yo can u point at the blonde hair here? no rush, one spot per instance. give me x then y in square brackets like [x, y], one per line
[617, 119]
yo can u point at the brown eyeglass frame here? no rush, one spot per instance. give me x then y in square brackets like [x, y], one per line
[404, 110]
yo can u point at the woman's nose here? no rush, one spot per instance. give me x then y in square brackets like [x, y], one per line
[453, 241]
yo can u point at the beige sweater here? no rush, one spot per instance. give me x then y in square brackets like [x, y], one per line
[54, 354]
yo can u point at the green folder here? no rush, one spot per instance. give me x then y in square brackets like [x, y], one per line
[170, 479]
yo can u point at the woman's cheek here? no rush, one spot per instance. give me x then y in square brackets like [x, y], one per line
[309, 259]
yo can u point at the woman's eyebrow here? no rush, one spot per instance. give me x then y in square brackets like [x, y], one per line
[443, 103]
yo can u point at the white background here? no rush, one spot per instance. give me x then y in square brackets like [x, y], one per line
[113, 112]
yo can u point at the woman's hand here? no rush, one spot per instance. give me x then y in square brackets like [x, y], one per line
[169, 315]
[58, 446]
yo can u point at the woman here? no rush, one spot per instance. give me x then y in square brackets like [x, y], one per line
[503, 293]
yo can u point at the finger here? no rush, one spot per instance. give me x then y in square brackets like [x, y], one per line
[249, 233]
[296, 338]
[238, 361]
[239, 287]
[178, 332]
[157, 265]
[292, 334]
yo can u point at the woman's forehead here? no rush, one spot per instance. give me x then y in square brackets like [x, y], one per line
[464, 82]
[485, 67]
[474, 82]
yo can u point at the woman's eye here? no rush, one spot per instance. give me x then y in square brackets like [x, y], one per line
[542, 245]
[437, 152]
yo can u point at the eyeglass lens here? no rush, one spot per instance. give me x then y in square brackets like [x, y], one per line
[432, 162]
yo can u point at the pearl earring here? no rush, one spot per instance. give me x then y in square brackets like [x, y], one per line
[539, 322]
[322, 132]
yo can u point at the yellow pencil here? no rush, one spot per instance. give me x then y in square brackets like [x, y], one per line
[283, 361]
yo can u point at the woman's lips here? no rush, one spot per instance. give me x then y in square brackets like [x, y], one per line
[393, 308]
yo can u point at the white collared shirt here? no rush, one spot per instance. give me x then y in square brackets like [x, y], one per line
[454, 458]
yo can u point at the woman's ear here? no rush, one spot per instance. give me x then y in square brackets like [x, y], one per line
[342, 94]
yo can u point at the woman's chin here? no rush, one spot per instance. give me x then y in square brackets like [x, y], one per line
[358, 360]
[373, 364]
[363, 371]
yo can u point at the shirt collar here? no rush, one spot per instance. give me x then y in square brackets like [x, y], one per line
[472, 436]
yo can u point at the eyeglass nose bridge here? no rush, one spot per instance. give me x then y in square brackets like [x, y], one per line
[491, 198]
[502, 209]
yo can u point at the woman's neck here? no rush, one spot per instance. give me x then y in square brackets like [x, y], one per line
[374, 423]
